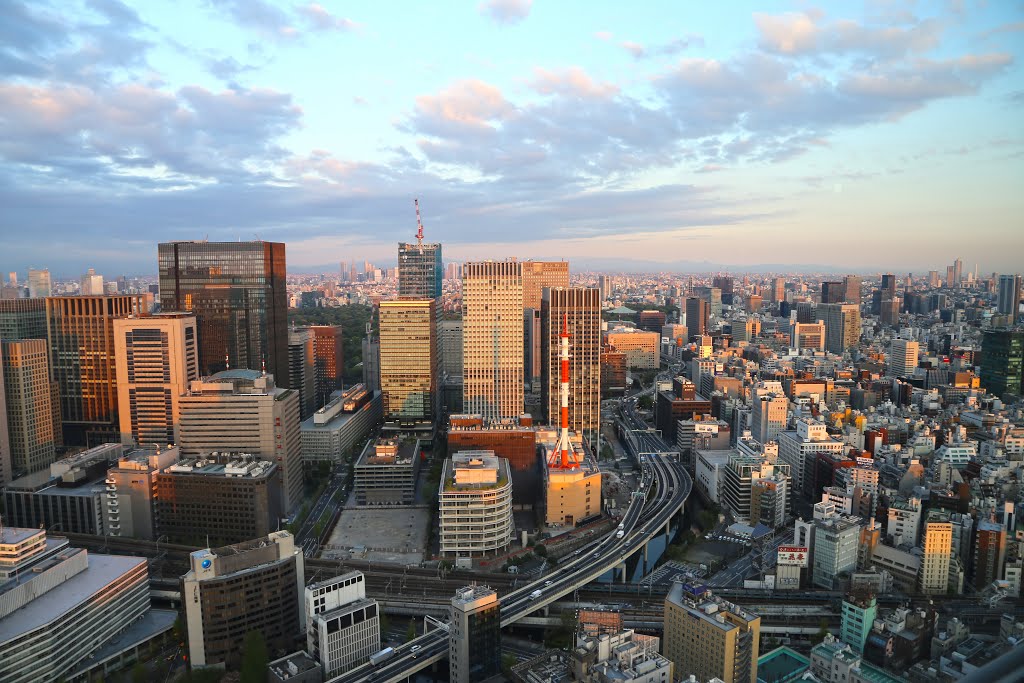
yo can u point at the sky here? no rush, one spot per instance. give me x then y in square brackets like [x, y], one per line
[621, 136]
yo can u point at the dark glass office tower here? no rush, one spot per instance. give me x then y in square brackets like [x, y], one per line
[1002, 362]
[237, 292]
[419, 270]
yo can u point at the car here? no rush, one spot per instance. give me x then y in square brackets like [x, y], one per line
[548, 583]
[415, 648]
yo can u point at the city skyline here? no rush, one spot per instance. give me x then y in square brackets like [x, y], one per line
[639, 142]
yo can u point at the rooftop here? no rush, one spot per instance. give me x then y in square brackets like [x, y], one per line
[781, 665]
[54, 604]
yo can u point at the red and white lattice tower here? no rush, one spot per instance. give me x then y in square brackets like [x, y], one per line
[563, 456]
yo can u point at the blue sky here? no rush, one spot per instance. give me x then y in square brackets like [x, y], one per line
[669, 135]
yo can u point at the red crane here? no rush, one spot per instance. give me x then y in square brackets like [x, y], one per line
[419, 226]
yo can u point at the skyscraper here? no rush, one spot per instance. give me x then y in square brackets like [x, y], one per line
[92, 284]
[852, 284]
[409, 362]
[769, 412]
[937, 545]
[328, 362]
[581, 309]
[1009, 293]
[540, 274]
[833, 292]
[697, 312]
[22, 319]
[243, 411]
[80, 330]
[39, 283]
[420, 270]
[25, 388]
[492, 340]
[237, 292]
[778, 289]
[903, 357]
[842, 326]
[157, 357]
[1002, 362]
[301, 375]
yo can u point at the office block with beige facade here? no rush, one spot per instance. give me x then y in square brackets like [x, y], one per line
[641, 348]
[245, 411]
[707, 637]
[937, 545]
[80, 330]
[492, 338]
[540, 274]
[572, 493]
[157, 358]
[25, 391]
[475, 502]
[409, 362]
[580, 309]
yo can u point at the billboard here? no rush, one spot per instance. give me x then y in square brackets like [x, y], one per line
[792, 556]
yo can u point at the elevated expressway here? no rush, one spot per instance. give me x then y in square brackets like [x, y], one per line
[664, 488]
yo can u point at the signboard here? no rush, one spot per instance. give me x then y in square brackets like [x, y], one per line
[792, 556]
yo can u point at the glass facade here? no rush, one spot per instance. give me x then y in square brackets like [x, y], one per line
[237, 292]
[419, 270]
[1002, 362]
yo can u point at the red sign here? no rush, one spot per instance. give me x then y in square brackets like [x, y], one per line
[792, 556]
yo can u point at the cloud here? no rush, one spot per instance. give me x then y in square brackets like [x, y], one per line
[673, 47]
[506, 11]
[808, 33]
[322, 20]
[603, 35]
[574, 81]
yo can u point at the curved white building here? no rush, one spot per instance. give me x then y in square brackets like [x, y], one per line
[475, 498]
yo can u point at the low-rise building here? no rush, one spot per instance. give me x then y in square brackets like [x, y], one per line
[342, 625]
[621, 657]
[329, 433]
[386, 471]
[641, 348]
[572, 493]
[475, 501]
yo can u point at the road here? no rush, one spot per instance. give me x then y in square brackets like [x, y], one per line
[663, 490]
[305, 537]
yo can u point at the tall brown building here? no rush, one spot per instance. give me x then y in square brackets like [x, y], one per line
[613, 371]
[237, 292]
[709, 637]
[409, 362]
[989, 553]
[697, 313]
[540, 274]
[80, 330]
[328, 362]
[581, 308]
[512, 439]
[25, 386]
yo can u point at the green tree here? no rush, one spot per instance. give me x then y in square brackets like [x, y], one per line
[507, 662]
[254, 658]
[139, 673]
[385, 625]
[540, 550]
[410, 633]
[645, 402]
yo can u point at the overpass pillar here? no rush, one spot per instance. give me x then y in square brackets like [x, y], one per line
[622, 572]
[645, 553]
[546, 610]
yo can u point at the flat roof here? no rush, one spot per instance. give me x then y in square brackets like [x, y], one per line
[14, 535]
[153, 623]
[780, 665]
[54, 604]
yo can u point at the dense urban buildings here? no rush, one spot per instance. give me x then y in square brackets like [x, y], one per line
[330, 433]
[237, 292]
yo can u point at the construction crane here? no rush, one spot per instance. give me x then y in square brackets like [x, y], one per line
[419, 226]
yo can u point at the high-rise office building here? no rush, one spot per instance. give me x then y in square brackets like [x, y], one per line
[39, 285]
[409, 362]
[989, 553]
[301, 375]
[852, 285]
[80, 330]
[92, 284]
[492, 339]
[474, 635]
[604, 285]
[833, 292]
[836, 540]
[22, 319]
[1002, 362]
[253, 586]
[328, 362]
[778, 289]
[540, 274]
[712, 296]
[937, 546]
[697, 312]
[157, 357]
[842, 326]
[237, 292]
[727, 285]
[769, 411]
[342, 625]
[420, 270]
[580, 309]
[449, 337]
[807, 336]
[25, 389]
[958, 272]
[708, 637]
[903, 357]
[1008, 295]
[243, 411]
